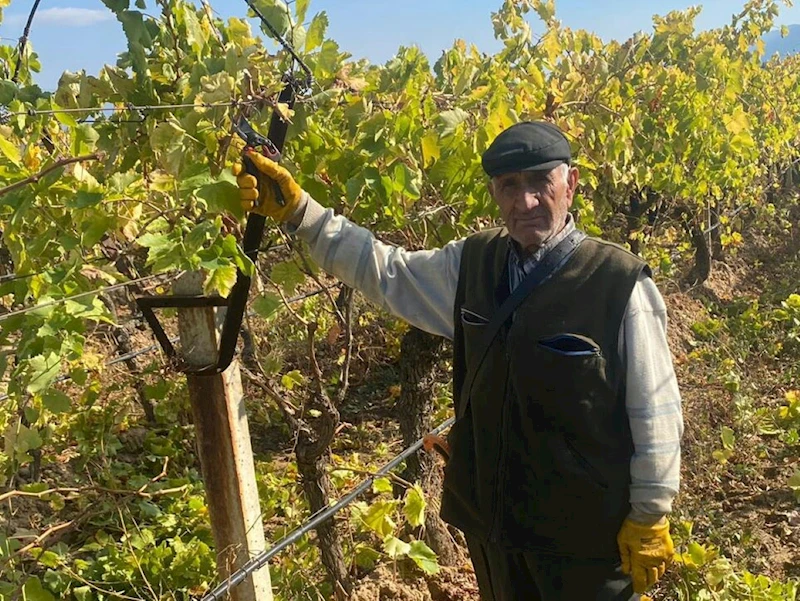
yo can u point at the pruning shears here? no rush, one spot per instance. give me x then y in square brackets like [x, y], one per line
[434, 443]
[255, 141]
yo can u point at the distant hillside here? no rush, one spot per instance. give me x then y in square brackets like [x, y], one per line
[783, 46]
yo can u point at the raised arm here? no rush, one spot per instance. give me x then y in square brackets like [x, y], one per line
[417, 286]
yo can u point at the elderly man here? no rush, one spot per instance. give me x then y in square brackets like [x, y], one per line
[565, 454]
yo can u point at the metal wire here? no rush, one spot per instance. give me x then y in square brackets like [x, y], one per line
[129, 107]
[12, 277]
[58, 301]
[173, 340]
[237, 577]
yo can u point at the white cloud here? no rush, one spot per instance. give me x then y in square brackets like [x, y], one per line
[63, 16]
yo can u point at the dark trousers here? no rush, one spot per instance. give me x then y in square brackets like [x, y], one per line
[532, 576]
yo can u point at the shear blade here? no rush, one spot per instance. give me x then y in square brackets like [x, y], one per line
[250, 136]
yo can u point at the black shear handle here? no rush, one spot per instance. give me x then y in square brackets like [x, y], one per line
[253, 233]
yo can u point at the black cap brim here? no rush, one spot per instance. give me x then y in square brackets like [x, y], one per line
[540, 167]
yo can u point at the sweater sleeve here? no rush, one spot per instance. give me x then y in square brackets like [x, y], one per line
[417, 286]
[653, 404]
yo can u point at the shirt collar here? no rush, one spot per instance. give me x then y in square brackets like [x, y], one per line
[515, 255]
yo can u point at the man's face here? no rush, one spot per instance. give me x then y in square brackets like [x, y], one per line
[534, 204]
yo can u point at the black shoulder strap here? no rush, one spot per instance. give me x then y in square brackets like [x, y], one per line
[551, 262]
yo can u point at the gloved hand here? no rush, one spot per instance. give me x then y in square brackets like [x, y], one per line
[258, 194]
[646, 551]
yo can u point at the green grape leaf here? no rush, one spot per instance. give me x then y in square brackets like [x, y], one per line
[96, 228]
[46, 558]
[221, 197]
[220, 280]
[316, 31]
[424, 557]
[166, 135]
[381, 485]
[84, 199]
[277, 14]
[291, 379]
[414, 508]
[34, 591]
[697, 553]
[194, 177]
[82, 593]
[8, 91]
[450, 120]
[378, 517]
[794, 484]
[394, 547]
[231, 249]
[728, 438]
[431, 151]
[27, 439]
[267, 305]
[56, 401]
[117, 5]
[43, 369]
[200, 234]
[85, 139]
[65, 118]
[366, 557]
[288, 276]
[300, 9]
[194, 31]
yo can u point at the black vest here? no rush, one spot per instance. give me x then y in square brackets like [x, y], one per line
[541, 457]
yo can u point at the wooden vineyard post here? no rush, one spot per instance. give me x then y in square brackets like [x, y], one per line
[223, 441]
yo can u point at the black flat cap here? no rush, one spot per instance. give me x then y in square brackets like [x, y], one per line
[526, 146]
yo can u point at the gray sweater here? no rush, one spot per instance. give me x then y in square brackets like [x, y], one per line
[420, 288]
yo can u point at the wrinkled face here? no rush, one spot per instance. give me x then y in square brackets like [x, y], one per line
[534, 204]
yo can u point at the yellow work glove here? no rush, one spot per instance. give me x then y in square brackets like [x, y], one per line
[258, 194]
[646, 551]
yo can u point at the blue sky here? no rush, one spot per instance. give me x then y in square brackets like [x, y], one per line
[82, 34]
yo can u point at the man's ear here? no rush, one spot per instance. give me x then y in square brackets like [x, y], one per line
[573, 175]
[490, 186]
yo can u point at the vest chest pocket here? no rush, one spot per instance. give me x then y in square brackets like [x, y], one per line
[570, 345]
[561, 377]
[472, 318]
[473, 325]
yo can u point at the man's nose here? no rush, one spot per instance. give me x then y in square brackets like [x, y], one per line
[529, 199]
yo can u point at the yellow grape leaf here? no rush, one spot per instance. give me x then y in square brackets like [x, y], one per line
[431, 151]
[738, 122]
[414, 508]
[9, 150]
[284, 111]
[536, 76]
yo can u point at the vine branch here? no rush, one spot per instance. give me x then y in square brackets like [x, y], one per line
[60, 163]
[23, 41]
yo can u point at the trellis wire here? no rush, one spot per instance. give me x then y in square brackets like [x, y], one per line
[237, 577]
[173, 340]
[58, 301]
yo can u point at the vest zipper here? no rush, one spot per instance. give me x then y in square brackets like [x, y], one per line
[494, 531]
